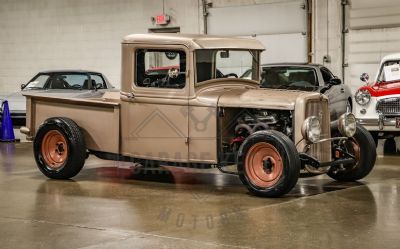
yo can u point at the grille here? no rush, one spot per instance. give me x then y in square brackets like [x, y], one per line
[320, 109]
[388, 106]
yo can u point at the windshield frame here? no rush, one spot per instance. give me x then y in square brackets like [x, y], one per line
[381, 71]
[255, 53]
[106, 84]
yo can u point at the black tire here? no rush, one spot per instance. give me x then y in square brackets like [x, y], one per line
[288, 170]
[389, 147]
[365, 159]
[67, 138]
[375, 137]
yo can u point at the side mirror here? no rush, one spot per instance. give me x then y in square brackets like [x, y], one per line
[23, 86]
[335, 81]
[364, 78]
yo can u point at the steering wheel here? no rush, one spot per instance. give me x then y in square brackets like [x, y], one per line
[231, 74]
[76, 86]
[219, 74]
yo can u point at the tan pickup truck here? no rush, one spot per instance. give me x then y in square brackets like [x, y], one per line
[195, 101]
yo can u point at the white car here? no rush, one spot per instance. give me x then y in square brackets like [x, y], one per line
[67, 83]
[377, 104]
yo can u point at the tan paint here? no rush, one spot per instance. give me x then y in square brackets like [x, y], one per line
[194, 41]
[179, 125]
[99, 120]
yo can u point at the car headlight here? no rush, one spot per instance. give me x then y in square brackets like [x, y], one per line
[347, 125]
[362, 97]
[311, 129]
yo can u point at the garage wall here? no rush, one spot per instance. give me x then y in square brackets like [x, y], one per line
[281, 25]
[71, 34]
[327, 30]
[374, 31]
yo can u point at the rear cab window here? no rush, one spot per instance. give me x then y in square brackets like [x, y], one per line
[158, 68]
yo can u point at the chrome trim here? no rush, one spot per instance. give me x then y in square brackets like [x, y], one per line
[320, 150]
[381, 122]
[331, 139]
[388, 106]
[325, 169]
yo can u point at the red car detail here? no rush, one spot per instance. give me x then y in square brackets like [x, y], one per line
[383, 88]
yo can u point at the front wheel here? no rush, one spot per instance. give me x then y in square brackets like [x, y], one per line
[362, 146]
[268, 163]
[59, 148]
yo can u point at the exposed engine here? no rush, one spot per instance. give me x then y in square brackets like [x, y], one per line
[252, 120]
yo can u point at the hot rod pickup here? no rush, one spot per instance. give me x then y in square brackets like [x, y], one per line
[197, 112]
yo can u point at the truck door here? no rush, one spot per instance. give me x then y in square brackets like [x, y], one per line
[156, 111]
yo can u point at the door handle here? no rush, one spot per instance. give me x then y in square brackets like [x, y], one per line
[127, 96]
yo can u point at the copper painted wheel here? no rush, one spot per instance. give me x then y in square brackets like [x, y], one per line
[54, 149]
[363, 148]
[263, 165]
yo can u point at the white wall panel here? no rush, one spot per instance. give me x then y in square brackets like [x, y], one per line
[374, 32]
[58, 34]
[274, 18]
[327, 34]
[295, 48]
[279, 24]
[365, 50]
[375, 17]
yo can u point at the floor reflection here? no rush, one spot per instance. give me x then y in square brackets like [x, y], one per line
[177, 177]
[7, 152]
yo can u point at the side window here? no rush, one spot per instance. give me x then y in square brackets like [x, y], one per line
[97, 79]
[160, 68]
[39, 82]
[326, 74]
[69, 81]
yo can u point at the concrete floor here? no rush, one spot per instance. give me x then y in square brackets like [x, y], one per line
[109, 205]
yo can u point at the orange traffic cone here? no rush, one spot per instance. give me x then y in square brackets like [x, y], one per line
[6, 130]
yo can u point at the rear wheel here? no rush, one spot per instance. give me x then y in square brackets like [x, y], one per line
[268, 163]
[59, 148]
[362, 146]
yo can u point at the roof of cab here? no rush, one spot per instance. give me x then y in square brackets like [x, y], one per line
[195, 41]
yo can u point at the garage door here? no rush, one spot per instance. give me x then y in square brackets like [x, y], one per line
[374, 31]
[280, 25]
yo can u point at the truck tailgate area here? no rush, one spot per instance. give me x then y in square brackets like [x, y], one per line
[99, 119]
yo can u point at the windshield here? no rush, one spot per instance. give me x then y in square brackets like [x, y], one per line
[296, 78]
[66, 81]
[224, 63]
[390, 71]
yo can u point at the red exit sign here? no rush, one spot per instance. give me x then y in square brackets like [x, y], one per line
[162, 19]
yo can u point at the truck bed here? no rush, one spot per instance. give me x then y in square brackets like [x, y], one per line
[98, 118]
